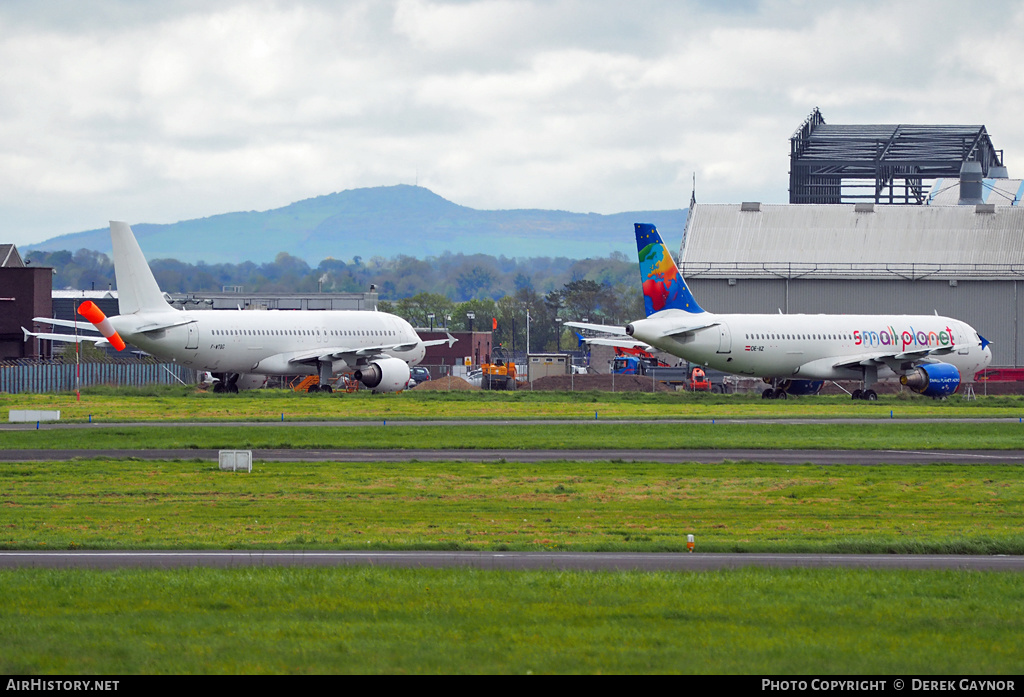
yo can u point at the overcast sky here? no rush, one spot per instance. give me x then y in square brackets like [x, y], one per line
[159, 112]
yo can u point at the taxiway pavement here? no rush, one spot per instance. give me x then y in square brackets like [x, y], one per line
[554, 561]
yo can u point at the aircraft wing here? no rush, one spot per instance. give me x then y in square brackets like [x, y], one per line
[436, 342]
[894, 358]
[100, 341]
[348, 354]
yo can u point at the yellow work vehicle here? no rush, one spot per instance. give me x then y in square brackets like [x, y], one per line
[500, 374]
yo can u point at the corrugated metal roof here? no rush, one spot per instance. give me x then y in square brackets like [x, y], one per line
[84, 294]
[1001, 192]
[855, 241]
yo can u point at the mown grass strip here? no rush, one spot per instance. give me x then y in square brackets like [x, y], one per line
[371, 620]
[185, 404]
[611, 506]
[585, 435]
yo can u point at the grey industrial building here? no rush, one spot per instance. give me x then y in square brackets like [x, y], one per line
[963, 261]
[882, 219]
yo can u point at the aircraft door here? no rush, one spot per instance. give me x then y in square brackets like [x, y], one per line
[960, 338]
[192, 342]
[724, 338]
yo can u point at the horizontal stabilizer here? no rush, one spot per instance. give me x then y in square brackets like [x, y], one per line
[624, 342]
[606, 328]
[99, 341]
[80, 326]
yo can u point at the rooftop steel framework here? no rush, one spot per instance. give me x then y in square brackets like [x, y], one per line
[880, 164]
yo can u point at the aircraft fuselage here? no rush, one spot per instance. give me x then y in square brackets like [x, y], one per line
[815, 347]
[255, 341]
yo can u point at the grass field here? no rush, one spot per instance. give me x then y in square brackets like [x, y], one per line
[186, 404]
[635, 437]
[604, 506]
[373, 620]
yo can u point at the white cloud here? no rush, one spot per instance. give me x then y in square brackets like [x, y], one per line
[114, 109]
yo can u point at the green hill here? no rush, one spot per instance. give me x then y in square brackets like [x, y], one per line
[381, 221]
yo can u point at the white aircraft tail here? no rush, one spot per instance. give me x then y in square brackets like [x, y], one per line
[136, 287]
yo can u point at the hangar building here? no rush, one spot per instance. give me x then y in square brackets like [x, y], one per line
[882, 219]
[963, 261]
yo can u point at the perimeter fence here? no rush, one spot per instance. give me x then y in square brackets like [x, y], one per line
[45, 376]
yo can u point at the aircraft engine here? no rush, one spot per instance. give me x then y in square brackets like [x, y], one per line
[802, 388]
[233, 382]
[251, 381]
[384, 375]
[933, 379]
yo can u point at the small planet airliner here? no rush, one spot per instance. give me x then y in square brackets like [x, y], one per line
[235, 345]
[929, 354]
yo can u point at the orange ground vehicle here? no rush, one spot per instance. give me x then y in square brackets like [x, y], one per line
[500, 374]
[699, 381]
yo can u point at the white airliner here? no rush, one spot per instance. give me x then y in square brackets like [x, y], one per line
[233, 345]
[796, 353]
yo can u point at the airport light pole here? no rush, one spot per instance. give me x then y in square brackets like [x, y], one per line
[471, 316]
[431, 318]
[527, 331]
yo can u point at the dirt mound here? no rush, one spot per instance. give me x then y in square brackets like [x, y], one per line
[605, 383]
[449, 383]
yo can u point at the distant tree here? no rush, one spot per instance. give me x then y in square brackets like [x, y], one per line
[484, 310]
[417, 309]
[548, 287]
[474, 283]
[584, 298]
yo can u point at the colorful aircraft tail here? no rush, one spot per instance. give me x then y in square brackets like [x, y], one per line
[663, 285]
[136, 288]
